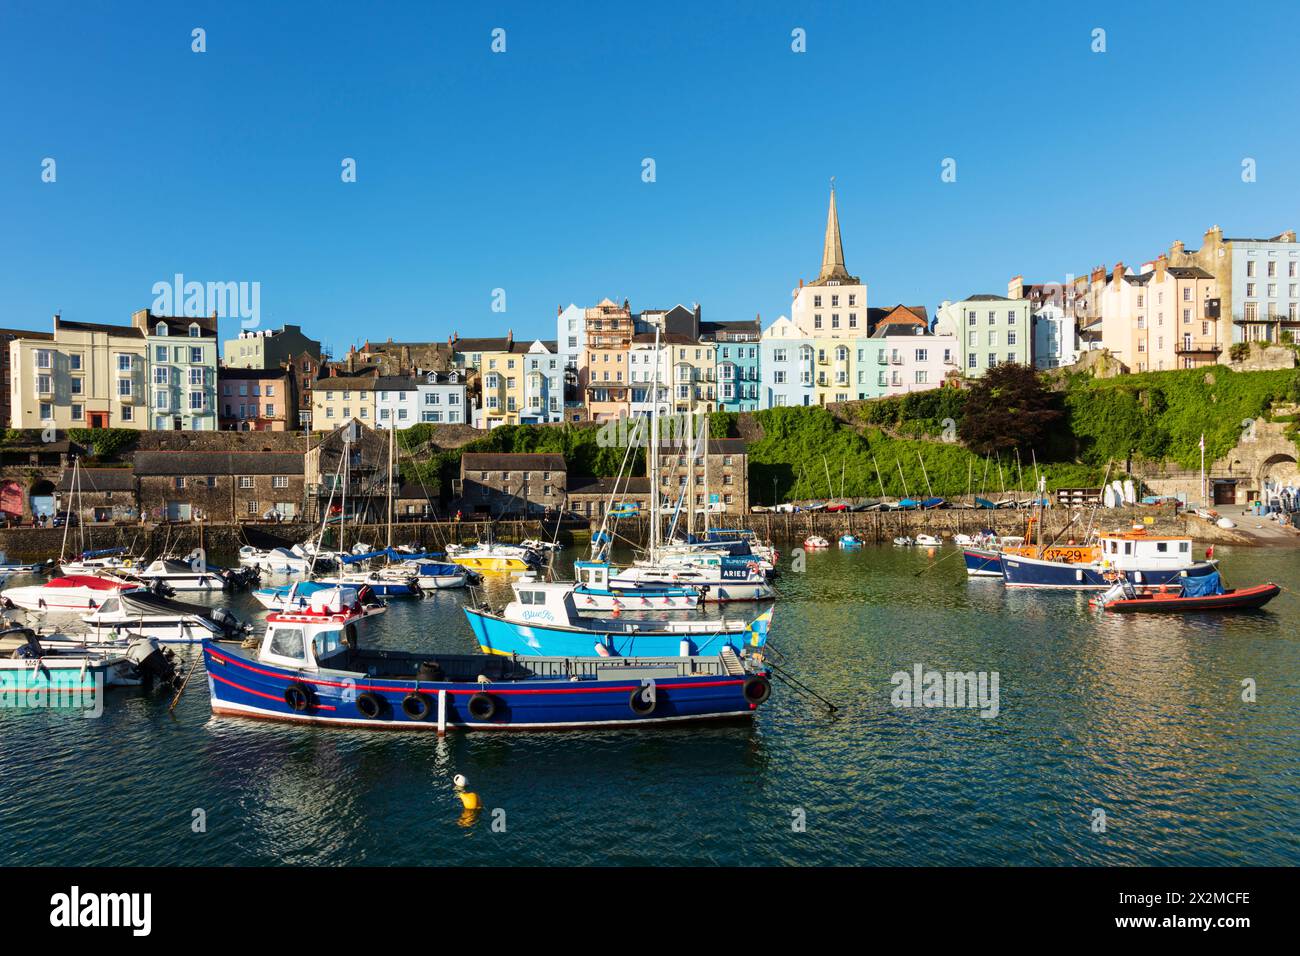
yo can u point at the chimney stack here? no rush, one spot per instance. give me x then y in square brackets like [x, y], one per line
[1119, 272]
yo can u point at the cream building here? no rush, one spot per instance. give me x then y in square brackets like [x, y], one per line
[339, 399]
[87, 375]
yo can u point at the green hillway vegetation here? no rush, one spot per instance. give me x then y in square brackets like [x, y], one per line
[1155, 416]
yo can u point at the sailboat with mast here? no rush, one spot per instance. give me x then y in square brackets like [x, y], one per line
[384, 583]
[718, 574]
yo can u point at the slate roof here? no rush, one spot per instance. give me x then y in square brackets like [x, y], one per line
[587, 485]
[494, 461]
[99, 479]
[169, 463]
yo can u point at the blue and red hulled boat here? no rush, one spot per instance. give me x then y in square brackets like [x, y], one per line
[310, 668]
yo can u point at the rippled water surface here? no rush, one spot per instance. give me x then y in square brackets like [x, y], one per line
[1140, 717]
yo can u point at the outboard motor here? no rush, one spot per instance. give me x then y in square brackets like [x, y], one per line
[29, 649]
[155, 664]
[231, 626]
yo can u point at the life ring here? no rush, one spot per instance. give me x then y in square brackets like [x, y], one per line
[369, 704]
[757, 689]
[298, 696]
[482, 707]
[416, 706]
[640, 706]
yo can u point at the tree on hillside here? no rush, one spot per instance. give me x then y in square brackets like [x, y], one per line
[1009, 408]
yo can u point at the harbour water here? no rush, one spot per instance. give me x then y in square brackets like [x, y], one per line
[1139, 717]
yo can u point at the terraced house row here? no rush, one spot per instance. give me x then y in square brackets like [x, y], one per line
[1181, 309]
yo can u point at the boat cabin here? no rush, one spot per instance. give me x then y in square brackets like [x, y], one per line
[538, 602]
[592, 574]
[1137, 550]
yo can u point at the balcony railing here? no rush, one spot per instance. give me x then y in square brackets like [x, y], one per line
[1193, 348]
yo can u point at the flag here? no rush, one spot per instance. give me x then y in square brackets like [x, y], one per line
[758, 629]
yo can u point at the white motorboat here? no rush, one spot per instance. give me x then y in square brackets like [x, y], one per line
[182, 576]
[275, 560]
[815, 543]
[146, 614]
[714, 584]
[55, 664]
[69, 594]
[928, 540]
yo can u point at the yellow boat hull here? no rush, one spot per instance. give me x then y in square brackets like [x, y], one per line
[491, 564]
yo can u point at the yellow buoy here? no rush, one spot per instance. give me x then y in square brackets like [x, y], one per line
[468, 800]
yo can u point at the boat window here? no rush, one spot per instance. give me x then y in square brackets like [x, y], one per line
[1184, 546]
[288, 642]
[326, 643]
[109, 606]
[1162, 547]
[1128, 547]
[531, 597]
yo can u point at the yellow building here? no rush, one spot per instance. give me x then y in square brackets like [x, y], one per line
[86, 375]
[694, 370]
[338, 399]
[834, 370]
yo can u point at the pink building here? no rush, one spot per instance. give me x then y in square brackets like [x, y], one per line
[256, 400]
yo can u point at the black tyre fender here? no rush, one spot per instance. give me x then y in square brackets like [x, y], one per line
[299, 697]
[639, 704]
[370, 705]
[482, 706]
[757, 689]
[416, 706]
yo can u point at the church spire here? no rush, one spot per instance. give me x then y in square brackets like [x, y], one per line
[832, 250]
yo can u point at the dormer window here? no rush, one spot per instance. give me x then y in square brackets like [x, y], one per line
[160, 328]
[194, 330]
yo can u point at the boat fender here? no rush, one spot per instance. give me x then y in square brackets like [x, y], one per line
[757, 689]
[642, 700]
[416, 706]
[482, 706]
[298, 696]
[369, 704]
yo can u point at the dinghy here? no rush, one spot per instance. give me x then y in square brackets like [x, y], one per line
[815, 543]
[1194, 595]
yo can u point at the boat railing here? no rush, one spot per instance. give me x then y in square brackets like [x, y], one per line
[624, 668]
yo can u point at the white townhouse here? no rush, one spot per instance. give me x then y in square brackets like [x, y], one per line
[433, 397]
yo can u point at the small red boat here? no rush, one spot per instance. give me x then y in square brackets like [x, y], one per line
[1174, 602]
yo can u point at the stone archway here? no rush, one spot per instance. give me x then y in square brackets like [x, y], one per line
[1278, 469]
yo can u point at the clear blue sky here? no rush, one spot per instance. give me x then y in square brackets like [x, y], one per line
[523, 170]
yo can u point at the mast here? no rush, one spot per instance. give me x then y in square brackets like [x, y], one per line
[652, 459]
[391, 432]
[63, 548]
[830, 488]
[928, 490]
[899, 463]
[343, 499]
[704, 513]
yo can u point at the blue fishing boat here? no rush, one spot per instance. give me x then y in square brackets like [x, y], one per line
[850, 541]
[310, 668]
[1144, 559]
[982, 562]
[543, 621]
[984, 503]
